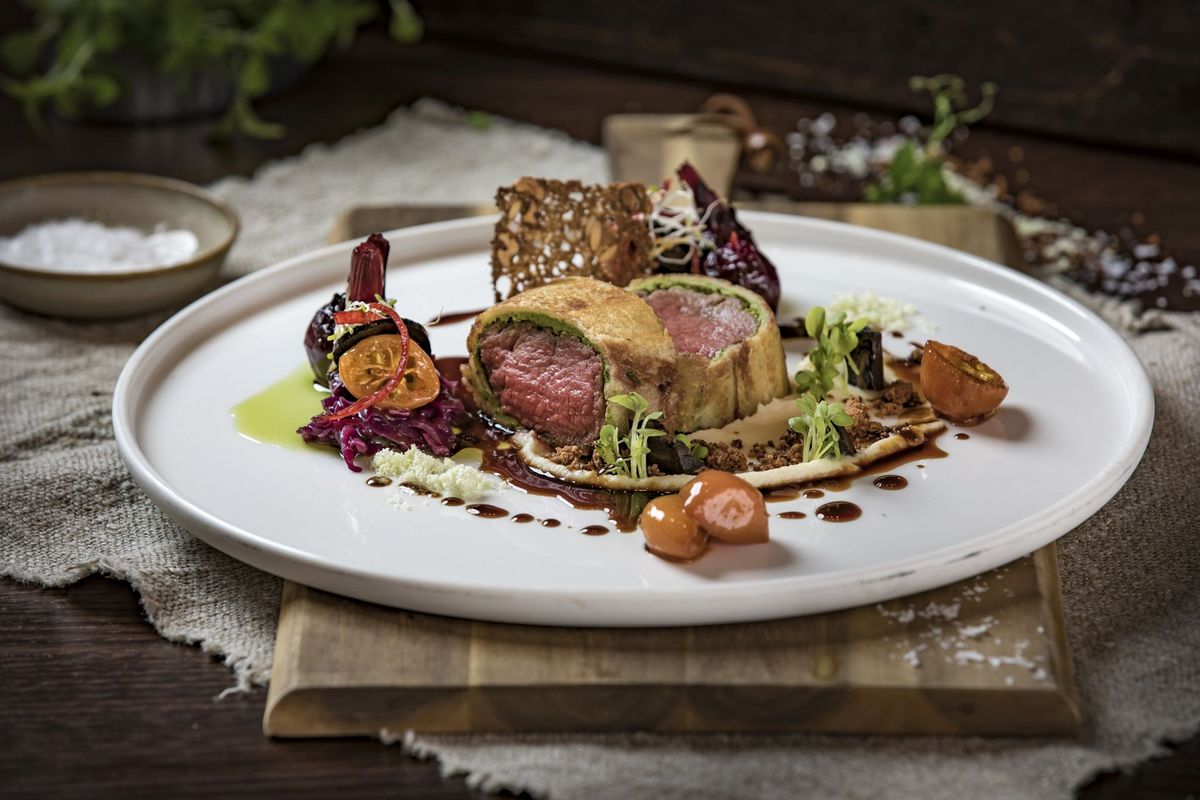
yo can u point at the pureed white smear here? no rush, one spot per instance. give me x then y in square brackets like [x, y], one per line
[76, 245]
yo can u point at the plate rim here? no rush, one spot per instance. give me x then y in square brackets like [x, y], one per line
[892, 579]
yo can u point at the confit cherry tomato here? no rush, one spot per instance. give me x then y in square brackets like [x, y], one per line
[371, 363]
[670, 532]
[958, 385]
[727, 507]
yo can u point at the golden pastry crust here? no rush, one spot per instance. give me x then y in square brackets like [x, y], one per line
[734, 383]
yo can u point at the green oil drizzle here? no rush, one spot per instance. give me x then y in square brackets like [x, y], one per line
[273, 415]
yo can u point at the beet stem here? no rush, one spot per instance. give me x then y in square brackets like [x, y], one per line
[368, 268]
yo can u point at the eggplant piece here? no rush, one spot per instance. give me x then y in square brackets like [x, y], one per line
[846, 441]
[416, 332]
[673, 458]
[868, 357]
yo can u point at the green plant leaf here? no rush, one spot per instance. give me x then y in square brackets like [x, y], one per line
[406, 26]
[19, 51]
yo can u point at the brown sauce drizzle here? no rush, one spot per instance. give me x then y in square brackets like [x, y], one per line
[813, 494]
[522, 518]
[453, 317]
[453, 501]
[897, 334]
[793, 515]
[379, 480]
[838, 511]
[550, 523]
[781, 494]
[413, 488]
[486, 510]
[906, 370]
[891, 482]
[961, 436]
[594, 530]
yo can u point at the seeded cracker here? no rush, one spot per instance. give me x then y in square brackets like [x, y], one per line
[552, 229]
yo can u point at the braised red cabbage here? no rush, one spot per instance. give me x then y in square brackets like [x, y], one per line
[430, 427]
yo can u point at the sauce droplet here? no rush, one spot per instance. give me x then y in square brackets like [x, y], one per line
[961, 436]
[813, 494]
[838, 511]
[781, 495]
[920, 466]
[793, 515]
[897, 334]
[550, 523]
[594, 530]
[379, 480]
[891, 482]
[452, 501]
[522, 518]
[486, 510]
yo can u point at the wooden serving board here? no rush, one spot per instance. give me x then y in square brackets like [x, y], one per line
[984, 656]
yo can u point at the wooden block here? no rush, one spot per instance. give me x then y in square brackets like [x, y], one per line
[985, 656]
[346, 668]
[361, 221]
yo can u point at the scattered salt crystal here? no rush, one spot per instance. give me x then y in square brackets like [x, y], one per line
[77, 245]
[974, 631]
[940, 611]
[970, 657]
[912, 658]
[1008, 680]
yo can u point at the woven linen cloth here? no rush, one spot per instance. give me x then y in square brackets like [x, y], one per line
[68, 508]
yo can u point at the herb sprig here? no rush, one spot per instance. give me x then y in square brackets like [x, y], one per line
[626, 455]
[835, 339]
[818, 422]
[917, 172]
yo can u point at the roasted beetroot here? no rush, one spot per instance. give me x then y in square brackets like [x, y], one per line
[734, 256]
[368, 268]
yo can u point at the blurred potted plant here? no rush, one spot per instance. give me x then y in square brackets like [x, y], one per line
[155, 60]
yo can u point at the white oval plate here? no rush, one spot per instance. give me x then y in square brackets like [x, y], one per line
[1073, 428]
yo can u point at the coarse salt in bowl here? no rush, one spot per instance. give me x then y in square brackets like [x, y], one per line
[103, 244]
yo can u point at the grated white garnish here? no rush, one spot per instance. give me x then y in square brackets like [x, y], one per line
[881, 313]
[442, 475]
[76, 245]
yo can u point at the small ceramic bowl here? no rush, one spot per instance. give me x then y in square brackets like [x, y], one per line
[115, 199]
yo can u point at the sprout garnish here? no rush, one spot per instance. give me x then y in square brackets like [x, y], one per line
[818, 423]
[626, 455]
[835, 339]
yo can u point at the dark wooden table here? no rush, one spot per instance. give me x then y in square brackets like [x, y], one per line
[93, 703]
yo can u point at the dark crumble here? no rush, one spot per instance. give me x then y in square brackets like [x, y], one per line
[585, 457]
[787, 451]
[574, 456]
[726, 457]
